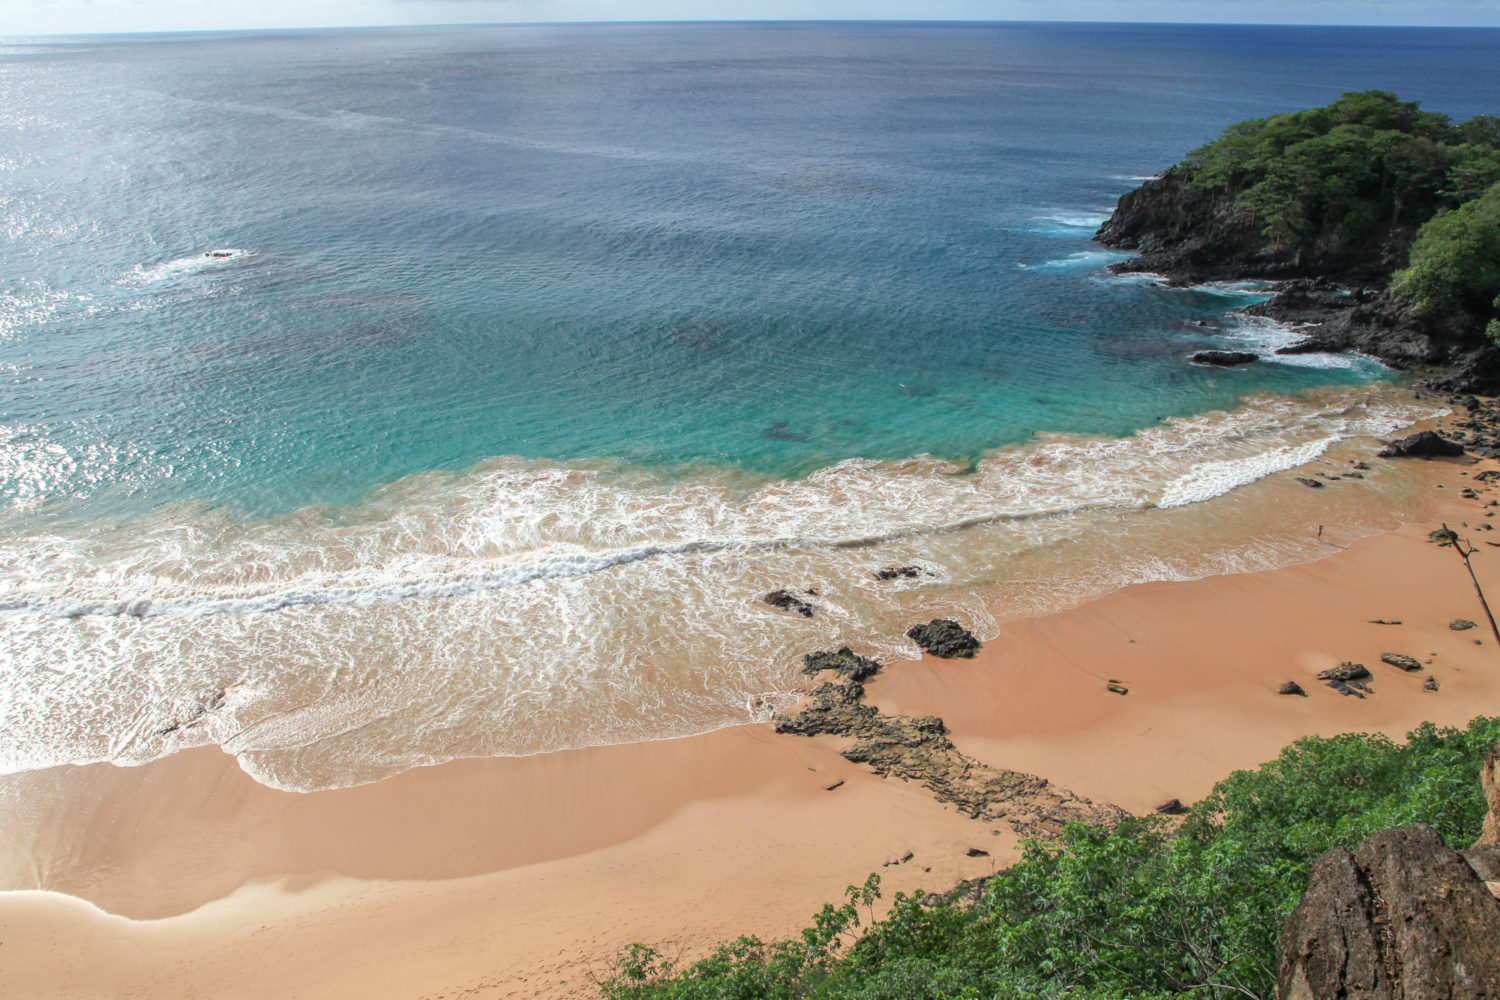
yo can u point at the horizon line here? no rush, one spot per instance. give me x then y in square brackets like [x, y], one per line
[624, 22]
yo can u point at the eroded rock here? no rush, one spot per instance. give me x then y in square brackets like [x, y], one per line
[1223, 359]
[1402, 662]
[785, 600]
[918, 749]
[944, 637]
[1345, 671]
[1423, 444]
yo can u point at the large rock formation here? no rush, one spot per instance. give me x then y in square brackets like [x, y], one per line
[1401, 917]
[918, 749]
[1335, 290]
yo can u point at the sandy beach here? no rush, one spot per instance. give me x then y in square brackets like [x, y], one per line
[524, 876]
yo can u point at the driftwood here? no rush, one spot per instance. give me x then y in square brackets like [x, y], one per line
[1465, 549]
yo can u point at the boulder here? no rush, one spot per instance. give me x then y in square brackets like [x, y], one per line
[944, 637]
[1401, 917]
[1314, 484]
[1461, 624]
[898, 573]
[1172, 807]
[1345, 671]
[1431, 684]
[1223, 359]
[1292, 687]
[1402, 662]
[785, 600]
[1424, 444]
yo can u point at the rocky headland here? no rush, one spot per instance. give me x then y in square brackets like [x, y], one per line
[1334, 205]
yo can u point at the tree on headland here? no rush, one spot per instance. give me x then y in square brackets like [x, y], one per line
[1336, 174]
[1455, 265]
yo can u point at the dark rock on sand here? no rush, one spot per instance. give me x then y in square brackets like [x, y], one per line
[1402, 662]
[1347, 688]
[1223, 359]
[1172, 807]
[944, 637]
[1345, 671]
[1292, 687]
[1425, 444]
[785, 600]
[1461, 625]
[1115, 687]
[1431, 684]
[977, 852]
[918, 749]
[1311, 483]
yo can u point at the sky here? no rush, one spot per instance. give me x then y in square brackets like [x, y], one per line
[25, 17]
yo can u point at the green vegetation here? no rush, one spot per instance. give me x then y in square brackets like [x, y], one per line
[1455, 264]
[1336, 175]
[1154, 909]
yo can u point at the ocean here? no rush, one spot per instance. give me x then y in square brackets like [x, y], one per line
[372, 398]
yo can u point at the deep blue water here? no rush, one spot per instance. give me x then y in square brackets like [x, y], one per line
[768, 246]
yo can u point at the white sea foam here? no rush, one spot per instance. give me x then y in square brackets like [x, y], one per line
[150, 274]
[529, 606]
[1077, 261]
[1068, 223]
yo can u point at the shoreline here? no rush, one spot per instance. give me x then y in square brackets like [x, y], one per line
[525, 876]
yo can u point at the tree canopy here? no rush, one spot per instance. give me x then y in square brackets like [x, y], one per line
[1341, 172]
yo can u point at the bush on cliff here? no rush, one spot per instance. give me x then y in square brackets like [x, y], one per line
[1148, 911]
[1455, 264]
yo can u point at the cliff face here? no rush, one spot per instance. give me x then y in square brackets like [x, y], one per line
[1401, 917]
[1192, 235]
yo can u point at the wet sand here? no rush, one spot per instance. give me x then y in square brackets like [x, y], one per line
[523, 877]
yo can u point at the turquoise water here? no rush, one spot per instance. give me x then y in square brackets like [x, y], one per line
[440, 392]
[772, 247]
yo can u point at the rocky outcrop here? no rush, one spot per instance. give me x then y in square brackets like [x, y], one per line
[918, 749]
[1335, 292]
[1424, 444]
[1193, 235]
[1402, 662]
[1223, 359]
[1401, 917]
[785, 600]
[945, 638]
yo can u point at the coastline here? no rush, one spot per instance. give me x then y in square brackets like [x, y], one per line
[525, 876]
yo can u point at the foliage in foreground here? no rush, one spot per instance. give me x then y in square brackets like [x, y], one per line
[1152, 910]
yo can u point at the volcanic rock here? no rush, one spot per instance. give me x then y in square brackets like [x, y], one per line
[944, 637]
[1425, 444]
